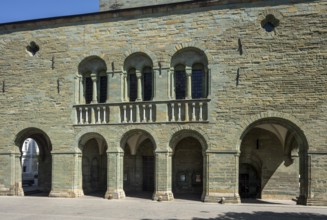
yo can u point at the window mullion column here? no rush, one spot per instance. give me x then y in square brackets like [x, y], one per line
[139, 85]
[188, 71]
[95, 88]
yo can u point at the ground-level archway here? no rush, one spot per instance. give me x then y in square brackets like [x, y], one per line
[139, 164]
[36, 161]
[273, 161]
[94, 164]
[187, 168]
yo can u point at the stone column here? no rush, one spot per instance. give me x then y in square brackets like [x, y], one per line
[163, 176]
[124, 87]
[172, 94]
[81, 91]
[139, 85]
[95, 88]
[188, 71]
[16, 187]
[115, 174]
[77, 89]
[108, 86]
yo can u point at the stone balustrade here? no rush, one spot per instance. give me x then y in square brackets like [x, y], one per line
[193, 110]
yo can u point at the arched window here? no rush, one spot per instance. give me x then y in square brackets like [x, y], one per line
[139, 83]
[132, 85]
[180, 82]
[190, 74]
[93, 81]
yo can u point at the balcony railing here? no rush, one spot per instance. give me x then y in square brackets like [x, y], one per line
[195, 110]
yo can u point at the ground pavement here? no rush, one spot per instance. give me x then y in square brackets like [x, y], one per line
[37, 208]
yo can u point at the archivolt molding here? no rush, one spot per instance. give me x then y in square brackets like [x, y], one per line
[182, 132]
[83, 137]
[283, 119]
[134, 50]
[193, 44]
[33, 132]
[129, 133]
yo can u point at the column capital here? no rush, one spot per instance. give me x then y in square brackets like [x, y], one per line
[188, 71]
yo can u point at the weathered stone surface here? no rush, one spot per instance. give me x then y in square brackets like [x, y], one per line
[256, 78]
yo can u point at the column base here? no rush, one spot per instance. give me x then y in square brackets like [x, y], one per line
[222, 198]
[163, 196]
[314, 202]
[16, 190]
[116, 194]
[67, 193]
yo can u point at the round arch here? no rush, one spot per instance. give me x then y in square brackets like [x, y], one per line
[83, 139]
[179, 135]
[140, 136]
[92, 64]
[287, 130]
[40, 176]
[188, 56]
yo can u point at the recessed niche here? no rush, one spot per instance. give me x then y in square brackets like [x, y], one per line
[269, 23]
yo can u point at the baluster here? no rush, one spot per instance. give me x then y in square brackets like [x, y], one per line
[130, 114]
[179, 112]
[81, 115]
[138, 113]
[144, 114]
[104, 115]
[150, 113]
[125, 115]
[201, 110]
[99, 115]
[172, 112]
[93, 115]
[87, 115]
[193, 113]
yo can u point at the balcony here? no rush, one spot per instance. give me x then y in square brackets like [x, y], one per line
[176, 111]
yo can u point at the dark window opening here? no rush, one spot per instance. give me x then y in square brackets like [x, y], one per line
[103, 89]
[180, 84]
[197, 84]
[88, 90]
[268, 26]
[132, 87]
[147, 85]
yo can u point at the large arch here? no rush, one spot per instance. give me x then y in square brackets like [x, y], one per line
[188, 164]
[94, 164]
[139, 163]
[282, 147]
[43, 179]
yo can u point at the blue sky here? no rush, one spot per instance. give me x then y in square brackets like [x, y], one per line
[19, 10]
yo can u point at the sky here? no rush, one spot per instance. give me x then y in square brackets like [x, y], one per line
[20, 10]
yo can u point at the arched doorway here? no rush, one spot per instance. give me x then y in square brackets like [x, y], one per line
[187, 173]
[36, 162]
[94, 165]
[272, 163]
[139, 165]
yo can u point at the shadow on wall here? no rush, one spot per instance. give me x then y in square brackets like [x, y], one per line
[262, 215]
[266, 216]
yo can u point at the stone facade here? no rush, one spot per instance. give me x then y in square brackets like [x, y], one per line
[106, 5]
[254, 126]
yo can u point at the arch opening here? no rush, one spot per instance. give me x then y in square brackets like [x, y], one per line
[187, 175]
[272, 163]
[35, 162]
[94, 165]
[139, 164]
